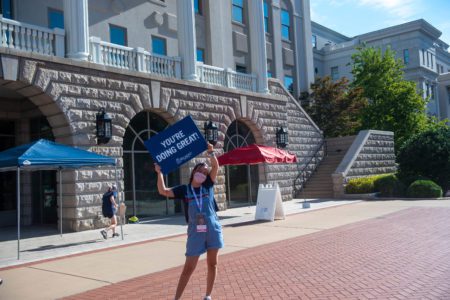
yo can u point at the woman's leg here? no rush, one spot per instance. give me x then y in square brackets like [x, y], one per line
[212, 258]
[189, 267]
[113, 224]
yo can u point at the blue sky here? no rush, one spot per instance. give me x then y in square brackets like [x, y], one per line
[353, 17]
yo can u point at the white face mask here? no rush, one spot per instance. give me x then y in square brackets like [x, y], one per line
[199, 177]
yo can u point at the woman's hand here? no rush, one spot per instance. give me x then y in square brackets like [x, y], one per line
[157, 168]
[210, 148]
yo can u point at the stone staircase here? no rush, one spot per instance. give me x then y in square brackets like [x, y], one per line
[320, 184]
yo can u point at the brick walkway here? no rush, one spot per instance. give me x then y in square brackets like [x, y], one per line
[405, 255]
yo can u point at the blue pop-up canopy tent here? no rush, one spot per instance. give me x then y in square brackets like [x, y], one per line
[47, 155]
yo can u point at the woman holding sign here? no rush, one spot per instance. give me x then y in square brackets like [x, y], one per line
[204, 229]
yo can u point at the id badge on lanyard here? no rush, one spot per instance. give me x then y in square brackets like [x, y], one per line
[200, 217]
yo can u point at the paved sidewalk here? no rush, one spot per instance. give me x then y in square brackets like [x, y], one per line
[43, 243]
[309, 253]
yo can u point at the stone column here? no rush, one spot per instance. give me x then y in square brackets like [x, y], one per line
[277, 45]
[303, 48]
[186, 38]
[219, 33]
[76, 25]
[258, 44]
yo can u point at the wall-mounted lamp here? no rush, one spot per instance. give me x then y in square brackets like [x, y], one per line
[282, 137]
[211, 132]
[104, 127]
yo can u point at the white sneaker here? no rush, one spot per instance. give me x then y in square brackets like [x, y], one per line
[207, 298]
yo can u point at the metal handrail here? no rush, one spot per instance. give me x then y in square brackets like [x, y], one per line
[302, 173]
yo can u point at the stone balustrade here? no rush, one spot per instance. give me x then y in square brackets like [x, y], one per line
[30, 38]
[135, 59]
[226, 77]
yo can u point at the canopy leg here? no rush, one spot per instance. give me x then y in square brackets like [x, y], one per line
[60, 202]
[18, 213]
[122, 218]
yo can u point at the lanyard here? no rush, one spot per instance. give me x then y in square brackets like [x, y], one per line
[199, 203]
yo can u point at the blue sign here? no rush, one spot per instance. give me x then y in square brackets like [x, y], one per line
[176, 145]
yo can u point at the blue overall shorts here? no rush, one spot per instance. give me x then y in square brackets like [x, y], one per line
[199, 242]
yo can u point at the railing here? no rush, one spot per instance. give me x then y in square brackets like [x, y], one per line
[315, 159]
[135, 59]
[31, 38]
[226, 77]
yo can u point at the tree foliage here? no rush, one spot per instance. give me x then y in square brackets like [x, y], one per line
[394, 103]
[335, 107]
[426, 155]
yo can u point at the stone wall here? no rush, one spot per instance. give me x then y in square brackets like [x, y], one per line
[371, 153]
[70, 94]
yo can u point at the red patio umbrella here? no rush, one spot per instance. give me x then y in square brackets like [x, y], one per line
[255, 154]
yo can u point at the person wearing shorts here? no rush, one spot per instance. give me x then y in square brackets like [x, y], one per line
[109, 209]
[204, 230]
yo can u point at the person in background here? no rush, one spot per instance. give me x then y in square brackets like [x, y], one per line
[109, 210]
[204, 229]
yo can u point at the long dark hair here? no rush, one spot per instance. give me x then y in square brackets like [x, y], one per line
[197, 166]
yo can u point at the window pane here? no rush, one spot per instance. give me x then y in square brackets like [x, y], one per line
[159, 46]
[238, 3]
[55, 19]
[238, 14]
[198, 7]
[285, 32]
[285, 17]
[7, 9]
[200, 55]
[241, 69]
[118, 35]
[289, 83]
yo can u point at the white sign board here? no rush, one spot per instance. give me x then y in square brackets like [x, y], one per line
[269, 205]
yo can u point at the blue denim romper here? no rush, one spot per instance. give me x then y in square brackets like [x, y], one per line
[199, 242]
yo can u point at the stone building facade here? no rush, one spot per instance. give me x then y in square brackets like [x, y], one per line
[70, 93]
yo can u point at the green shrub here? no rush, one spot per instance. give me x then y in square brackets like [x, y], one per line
[389, 186]
[426, 154]
[362, 185]
[424, 189]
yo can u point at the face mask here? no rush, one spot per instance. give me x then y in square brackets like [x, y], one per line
[199, 177]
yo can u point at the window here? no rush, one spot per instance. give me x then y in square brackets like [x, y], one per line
[266, 16]
[406, 56]
[198, 7]
[201, 55]
[269, 74]
[55, 18]
[118, 35]
[238, 11]
[285, 25]
[314, 41]
[159, 45]
[316, 71]
[334, 73]
[7, 9]
[289, 83]
[423, 57]
[241, 69]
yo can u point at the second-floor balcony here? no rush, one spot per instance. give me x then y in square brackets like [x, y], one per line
[135, 59]
[226, 77]
[36, 39]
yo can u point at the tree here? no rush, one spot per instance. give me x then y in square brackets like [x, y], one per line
[394, 103]
[426, 155]
[335, 107]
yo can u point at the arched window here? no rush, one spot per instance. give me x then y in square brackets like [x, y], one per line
[141, 193]
[241, 181]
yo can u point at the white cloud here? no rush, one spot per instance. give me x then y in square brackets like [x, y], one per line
[403, 9]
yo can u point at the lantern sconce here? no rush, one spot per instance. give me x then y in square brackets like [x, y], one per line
[211, 132]
[104, 127]
[282, 137]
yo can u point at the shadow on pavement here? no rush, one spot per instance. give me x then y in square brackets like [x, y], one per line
[49, 247]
